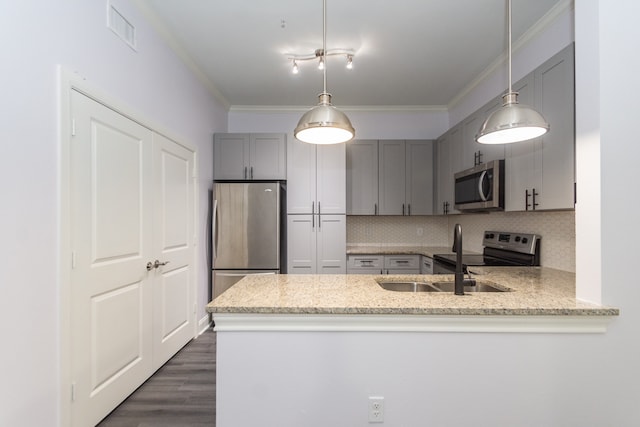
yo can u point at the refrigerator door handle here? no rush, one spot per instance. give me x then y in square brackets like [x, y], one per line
[214, 229]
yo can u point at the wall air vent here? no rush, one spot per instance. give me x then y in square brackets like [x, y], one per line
[123, 28]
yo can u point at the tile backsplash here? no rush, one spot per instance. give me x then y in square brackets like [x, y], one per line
[556, 228]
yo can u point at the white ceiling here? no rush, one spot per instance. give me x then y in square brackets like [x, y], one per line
[408, 52]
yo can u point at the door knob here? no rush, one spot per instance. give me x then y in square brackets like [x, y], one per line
[155, 264]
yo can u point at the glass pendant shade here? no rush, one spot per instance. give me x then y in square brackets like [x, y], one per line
[512, 122]
[324, 124]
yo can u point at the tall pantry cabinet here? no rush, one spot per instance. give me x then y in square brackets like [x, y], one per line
[316, 209]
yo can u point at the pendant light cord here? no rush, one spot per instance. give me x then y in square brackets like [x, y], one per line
[509, 33]
[324, 44]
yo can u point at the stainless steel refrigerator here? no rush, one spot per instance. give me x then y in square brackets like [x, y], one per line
[247, 231]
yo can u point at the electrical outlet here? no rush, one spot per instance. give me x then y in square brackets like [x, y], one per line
[376, 409]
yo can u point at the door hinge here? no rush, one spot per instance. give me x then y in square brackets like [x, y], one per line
[73, 392]
[73, 127]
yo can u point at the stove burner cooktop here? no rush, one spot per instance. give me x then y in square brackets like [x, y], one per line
[501, 249]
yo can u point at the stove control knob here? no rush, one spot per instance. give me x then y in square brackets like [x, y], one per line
[525, 240]
[517, 238]
[486, 236]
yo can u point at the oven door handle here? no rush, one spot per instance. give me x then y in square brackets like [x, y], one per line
[483, 197]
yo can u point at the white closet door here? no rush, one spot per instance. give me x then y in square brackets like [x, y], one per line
[111, 294]
[173, 231]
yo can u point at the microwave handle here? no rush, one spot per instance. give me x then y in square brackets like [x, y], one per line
[483, 196]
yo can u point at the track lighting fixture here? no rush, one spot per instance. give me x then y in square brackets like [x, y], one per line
[321, 57]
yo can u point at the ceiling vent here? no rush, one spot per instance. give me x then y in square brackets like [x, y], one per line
[123, 28]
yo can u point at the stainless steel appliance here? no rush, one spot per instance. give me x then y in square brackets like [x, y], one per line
[247, 231]
[480, 188]
[501, 248]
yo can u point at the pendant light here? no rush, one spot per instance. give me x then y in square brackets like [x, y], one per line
[324, 124]
[513, 122]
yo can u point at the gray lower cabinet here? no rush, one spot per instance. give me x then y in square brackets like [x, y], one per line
[390, 177]
[249, 156]
[383, 264]
[316, 244]
[426, 265]
[365, 264]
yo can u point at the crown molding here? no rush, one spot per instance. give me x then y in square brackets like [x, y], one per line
[352, 108]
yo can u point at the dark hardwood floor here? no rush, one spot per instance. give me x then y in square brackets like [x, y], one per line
[180, 394]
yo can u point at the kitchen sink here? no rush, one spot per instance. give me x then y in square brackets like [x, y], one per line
[478, 287]
[408, 287]
[438, 287]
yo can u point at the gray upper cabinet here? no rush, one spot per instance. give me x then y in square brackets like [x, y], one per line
[474, 153]
[316, 179]
[419, 171]
[245, 156]
[390, 177]
[362, 177]
[540, 174]
[449, 161]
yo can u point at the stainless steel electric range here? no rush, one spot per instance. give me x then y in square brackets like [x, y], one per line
[501, 248]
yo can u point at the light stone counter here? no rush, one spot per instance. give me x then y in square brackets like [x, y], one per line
[383, 249]
[534, 291]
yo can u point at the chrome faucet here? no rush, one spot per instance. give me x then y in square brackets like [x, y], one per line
[460, 281]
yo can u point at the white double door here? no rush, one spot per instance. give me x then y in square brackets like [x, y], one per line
[131, 204]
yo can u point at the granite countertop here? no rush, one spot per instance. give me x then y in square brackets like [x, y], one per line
[385, 249]
[534, 291]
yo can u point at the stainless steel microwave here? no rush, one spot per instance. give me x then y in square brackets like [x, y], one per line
[480, 188]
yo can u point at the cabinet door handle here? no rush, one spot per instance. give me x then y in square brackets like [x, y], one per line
[251, 172]
[313, 208]
[375, 209]
[534, 194]
[403, 209]
[526, 200]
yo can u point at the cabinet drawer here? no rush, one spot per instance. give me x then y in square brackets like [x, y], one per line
[358, 270]
[426, 266]
[371, 262]
[402, 261]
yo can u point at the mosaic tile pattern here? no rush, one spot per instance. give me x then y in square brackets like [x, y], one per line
[557, 229]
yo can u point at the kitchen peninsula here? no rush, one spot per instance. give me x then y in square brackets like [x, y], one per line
[292, 346]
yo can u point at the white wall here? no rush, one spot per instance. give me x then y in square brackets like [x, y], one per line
[451, 379]
[36, 36]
